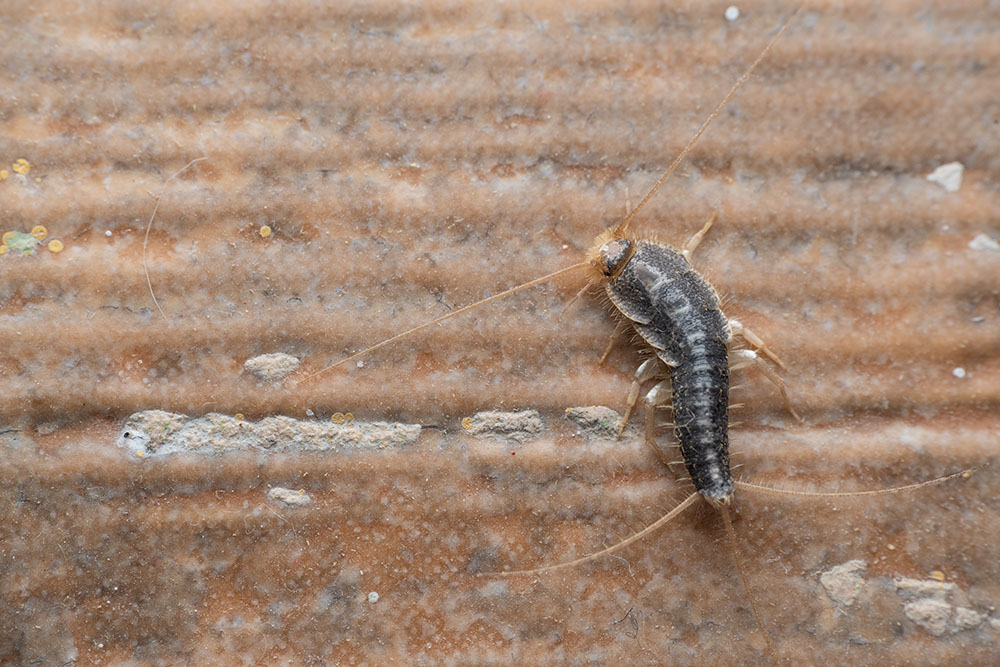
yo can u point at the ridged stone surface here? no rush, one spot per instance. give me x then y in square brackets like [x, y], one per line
[409, 159]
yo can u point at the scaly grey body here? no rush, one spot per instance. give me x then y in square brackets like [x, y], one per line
[678, 314]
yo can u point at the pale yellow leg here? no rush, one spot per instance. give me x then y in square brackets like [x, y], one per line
[739, 330]
[695, 240]
[770, 374]
[648, 370]
[659, 395]
[611, 344]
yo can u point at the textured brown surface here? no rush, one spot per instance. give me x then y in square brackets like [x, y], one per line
[413, 159]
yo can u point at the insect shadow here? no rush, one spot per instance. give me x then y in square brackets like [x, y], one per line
[656, 291]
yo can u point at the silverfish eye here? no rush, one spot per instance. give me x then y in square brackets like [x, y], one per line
[613, 253]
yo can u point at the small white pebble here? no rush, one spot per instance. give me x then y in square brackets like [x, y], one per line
[732, 13]
[373, 597]
[271, 366]
[984, 242]
[959, 372]
[310, 413]
[360, 364]
[948, 176]
[107, 232]
[290, 497]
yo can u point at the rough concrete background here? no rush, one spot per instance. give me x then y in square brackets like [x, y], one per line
[412, 159]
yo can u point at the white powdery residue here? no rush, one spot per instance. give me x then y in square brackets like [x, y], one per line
[984, 242]
[930, 614]
[923, 587]
[289, 496]
[843, 583]
[272, 366]
[929, 606]
[519, 426]
[966, 619]
[948, 176]
[157, 433]
[732, 13]
[596, 419]
[373, 597]
[958, 372]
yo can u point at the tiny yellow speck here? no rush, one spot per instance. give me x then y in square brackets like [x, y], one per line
[966, 475]
[239, 416]
[3, 250]
[37, 179]
[39, 232]
[21, 166]
[265, 231]
[349, 416]
[467, 423]
[4, 174]
[140, 453]
[8, 237]
[55, 245]
[338, 418]
[937, 575]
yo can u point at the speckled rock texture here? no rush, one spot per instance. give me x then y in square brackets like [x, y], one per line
[368, 166]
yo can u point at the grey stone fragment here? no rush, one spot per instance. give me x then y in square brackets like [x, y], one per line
[932, 607]
[984, 242]
[272, 366]
[948, 176]
[843, 583]
[908, 587]
[155, 432]
[595, 419]
[519, 426]
[930, 614]
[966, 619]
[295, 498]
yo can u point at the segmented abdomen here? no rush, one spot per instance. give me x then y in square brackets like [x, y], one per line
[701, 419]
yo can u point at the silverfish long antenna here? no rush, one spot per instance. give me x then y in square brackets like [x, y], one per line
[453, 313]
[623, 225]
[731, 536]
[761, 488]
[149, 225]
[663, 520]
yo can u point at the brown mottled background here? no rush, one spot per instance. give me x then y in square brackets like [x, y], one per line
[412, 158]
